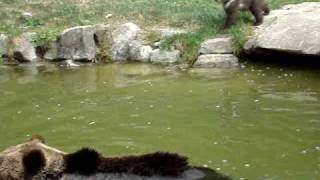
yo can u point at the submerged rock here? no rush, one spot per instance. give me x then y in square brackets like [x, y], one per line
[217, 46]
[294, 29]
[122, 36]
[165, 57]
[77, 44]
[217, 61]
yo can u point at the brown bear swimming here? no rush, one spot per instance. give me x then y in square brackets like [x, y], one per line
[34, 160]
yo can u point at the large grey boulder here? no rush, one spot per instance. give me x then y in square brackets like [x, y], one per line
[76, 43]
[217, 46]
[3, 44]
[22, 49]
[122, 37]
[294, 29]
[139, 52]
[165, 57]
[217, 61]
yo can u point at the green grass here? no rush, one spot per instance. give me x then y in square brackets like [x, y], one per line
[202, 17]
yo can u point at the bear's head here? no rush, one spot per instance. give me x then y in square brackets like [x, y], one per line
[31, 160]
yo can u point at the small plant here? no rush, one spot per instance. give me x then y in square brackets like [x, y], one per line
[240, 34]
[44, 37]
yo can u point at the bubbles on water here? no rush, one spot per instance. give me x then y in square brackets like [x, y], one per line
[134, 115]
[256, 100]
[304, 151]
[37, 106]
[224, 161]
[247, 165]
[242, 178]
[92, 123]
[215, 143]
[149, 123]
[217, 106]
[19, 112]
[49, 118]
[59, 105]
[168, 128]
[218, 169]
[205, 165]
[317, 148]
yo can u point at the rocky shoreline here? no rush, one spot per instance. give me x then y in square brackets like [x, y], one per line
[294, 29]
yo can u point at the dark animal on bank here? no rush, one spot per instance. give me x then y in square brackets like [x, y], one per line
[258, 9]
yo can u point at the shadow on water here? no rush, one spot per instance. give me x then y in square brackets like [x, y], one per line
[288, 61]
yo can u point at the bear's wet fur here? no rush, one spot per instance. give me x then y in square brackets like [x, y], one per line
[87, 161]
[159, 163]
[33, 162]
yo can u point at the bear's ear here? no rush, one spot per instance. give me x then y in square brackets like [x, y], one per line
[38, 138]
[84, 162]
[33, 161]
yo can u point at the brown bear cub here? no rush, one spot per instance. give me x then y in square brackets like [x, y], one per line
[258, 9]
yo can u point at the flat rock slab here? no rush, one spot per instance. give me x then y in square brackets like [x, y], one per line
[217, 46]
[294, 29]
[217, 61]
[166, 32]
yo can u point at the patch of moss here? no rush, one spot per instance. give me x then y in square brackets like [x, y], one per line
[152, 37]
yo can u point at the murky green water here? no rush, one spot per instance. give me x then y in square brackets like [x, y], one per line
[255, 123]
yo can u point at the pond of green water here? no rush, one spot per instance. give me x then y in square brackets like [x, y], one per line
[257, 122]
